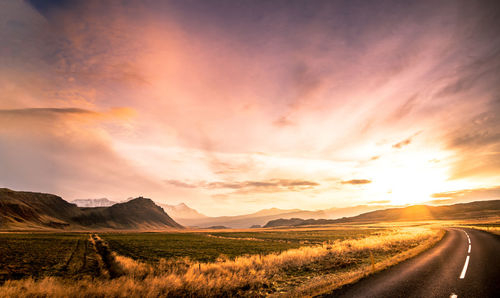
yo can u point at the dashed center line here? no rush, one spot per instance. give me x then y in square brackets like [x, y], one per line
[464, 270]
[468, 238]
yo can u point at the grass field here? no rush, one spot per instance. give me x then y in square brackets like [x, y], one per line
[208, 246]
[40, 254]
[212, 263]
[492, 226]
[300, 236]
[71, 255]
[151, 247]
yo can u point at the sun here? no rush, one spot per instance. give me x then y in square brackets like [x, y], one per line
[409, 179]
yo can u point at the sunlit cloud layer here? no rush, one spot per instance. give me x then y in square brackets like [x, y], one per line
[244, 105]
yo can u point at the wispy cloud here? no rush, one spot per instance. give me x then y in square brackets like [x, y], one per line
[114, 113]
[328, 92]
[379, 202]
[244, 187]
[356, 181]
[70, 145]
[442, 201]
[401, 144]
[466, 195]
[476, 193]
[45, 111]
[405, 142]
[177, 183]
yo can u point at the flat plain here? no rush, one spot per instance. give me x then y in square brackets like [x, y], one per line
[208, 246]
[208, 263]
[38, 254]
[46, 254]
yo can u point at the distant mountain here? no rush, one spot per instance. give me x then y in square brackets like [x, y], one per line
[182, 211]
[473, 210]
[103, 202]
[30, 210]
[293, 222]
[266, 215]
[272, 212]
[217, 227]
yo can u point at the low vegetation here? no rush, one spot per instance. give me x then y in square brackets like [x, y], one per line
[491, 227]
[296, 270]
[46, 254]
[494, 230]
[152, 247]
[301, 236]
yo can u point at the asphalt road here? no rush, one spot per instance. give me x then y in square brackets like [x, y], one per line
[439, 272]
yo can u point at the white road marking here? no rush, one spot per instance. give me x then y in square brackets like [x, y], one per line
[462, 275]
[468, 238]
[465, 268]
[453, 295]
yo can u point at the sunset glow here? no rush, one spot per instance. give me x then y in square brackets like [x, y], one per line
[237, 106]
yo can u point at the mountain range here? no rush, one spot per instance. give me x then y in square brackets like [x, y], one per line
[31, 210]
[260, 218]
[188, 216]
[465, 211]
[181, 212]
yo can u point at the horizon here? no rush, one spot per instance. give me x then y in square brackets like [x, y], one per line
[374, 207]
[236, 107]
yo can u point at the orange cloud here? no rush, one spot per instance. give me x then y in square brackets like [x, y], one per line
[65, 151]
[357, 181]
[245, 187]
[476, 193]
[322, 94]
[379, 202]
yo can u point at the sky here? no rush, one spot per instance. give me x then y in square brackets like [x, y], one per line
[237, 106]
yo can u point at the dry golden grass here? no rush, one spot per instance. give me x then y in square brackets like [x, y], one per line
[491, 224]
[492, 229]
[327, 283]
[255, 275]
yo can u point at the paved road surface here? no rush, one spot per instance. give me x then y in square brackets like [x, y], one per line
[447, 269]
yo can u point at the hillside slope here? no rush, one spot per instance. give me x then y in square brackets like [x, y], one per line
[473, 210]
[30, 210]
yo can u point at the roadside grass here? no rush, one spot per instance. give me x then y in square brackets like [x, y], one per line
[302, 271]
[489, 224]
[494, 230]
[493, 227]
[330, 281]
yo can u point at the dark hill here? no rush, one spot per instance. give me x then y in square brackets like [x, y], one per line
[20, 210]
[473, 210]
[139, 213]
